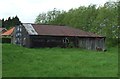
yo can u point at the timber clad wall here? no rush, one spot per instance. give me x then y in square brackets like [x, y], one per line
[91, 43]
[34, 35]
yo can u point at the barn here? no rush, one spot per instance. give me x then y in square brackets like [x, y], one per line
[43, 35]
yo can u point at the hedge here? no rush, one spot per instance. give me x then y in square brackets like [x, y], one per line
[6, 40]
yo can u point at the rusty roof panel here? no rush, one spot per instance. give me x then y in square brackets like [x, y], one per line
[55, 30]
[9, 32]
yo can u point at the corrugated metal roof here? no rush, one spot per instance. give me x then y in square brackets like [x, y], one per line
[30, 29]
[55, 30]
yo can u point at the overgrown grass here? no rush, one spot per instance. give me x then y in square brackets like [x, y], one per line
[58, 62]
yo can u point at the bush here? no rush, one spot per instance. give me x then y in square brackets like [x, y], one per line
[111, 42]
[6, 40]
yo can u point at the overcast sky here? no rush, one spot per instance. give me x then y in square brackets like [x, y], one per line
[27, 10]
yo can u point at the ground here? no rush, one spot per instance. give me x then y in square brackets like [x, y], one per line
[58, 62]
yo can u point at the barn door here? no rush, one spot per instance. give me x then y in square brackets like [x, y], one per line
[65, 42]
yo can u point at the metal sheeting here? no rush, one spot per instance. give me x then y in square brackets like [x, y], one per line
[30, 29]
[56, 30]
[8, 32]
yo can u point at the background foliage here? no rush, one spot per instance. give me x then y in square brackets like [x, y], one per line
[10, 22]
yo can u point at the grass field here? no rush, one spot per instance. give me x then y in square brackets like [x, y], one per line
[58, 62]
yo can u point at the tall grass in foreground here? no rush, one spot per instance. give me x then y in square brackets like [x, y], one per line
[58, 62]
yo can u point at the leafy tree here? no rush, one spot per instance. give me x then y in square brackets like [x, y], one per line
[45, 18]
[41, 18]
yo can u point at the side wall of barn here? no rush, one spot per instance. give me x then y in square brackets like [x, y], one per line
[46, 41]
[92, 43]
[53, 41]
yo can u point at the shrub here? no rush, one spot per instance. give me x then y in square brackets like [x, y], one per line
[6, 40]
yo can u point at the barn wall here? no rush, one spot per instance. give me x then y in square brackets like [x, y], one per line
[89, 43]
[52, 41]
[20, 36]
[16, 36]
[26, 40]
[13, 37]
[92, 43]
[46, 41]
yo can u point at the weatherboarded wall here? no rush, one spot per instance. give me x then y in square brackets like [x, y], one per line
[92, 43]
[21, 37]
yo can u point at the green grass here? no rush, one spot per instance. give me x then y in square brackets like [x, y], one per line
[58, 62]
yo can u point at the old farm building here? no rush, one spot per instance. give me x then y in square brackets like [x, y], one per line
[38, 35]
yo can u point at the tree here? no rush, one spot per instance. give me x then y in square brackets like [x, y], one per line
[45, 18]
[10, 22]
[41, 19]
[3, 23]
[16, 21]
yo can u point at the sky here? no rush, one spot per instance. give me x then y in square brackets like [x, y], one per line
[28, 10]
